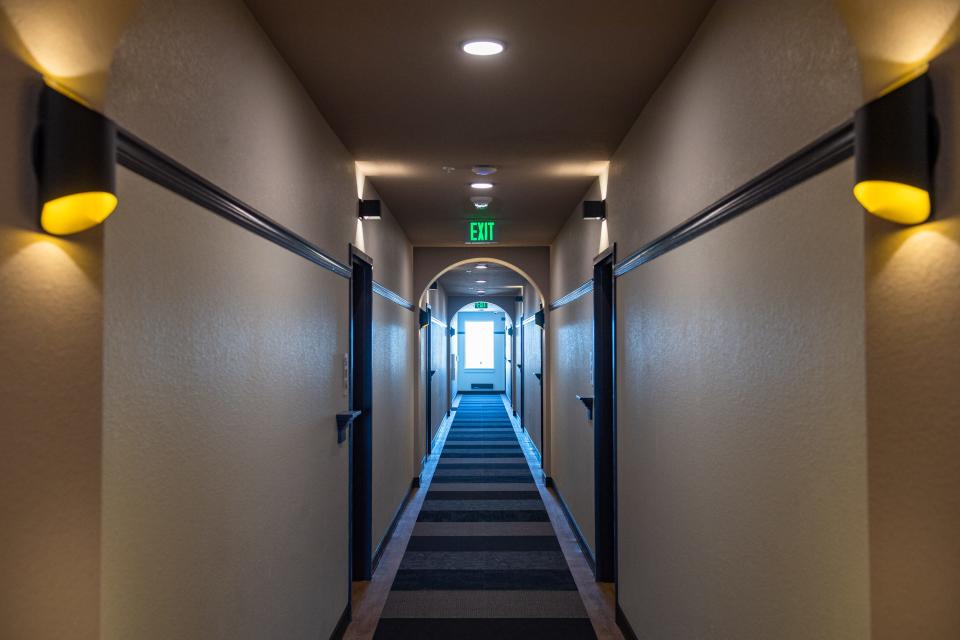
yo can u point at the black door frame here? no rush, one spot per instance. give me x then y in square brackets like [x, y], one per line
[604, 416]
[428, 363]
[521, 347]
[361, 399]
[540, 321]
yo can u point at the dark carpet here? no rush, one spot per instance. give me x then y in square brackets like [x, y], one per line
[484, 561]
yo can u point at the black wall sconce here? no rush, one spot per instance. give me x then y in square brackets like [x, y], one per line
[897, 140]
[594, 209]
[75, 156]
[539, 318]
[369, 210]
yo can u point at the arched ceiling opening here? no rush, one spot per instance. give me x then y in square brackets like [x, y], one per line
[508, 281]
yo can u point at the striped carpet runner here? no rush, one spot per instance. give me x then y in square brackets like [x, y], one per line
[483, 561]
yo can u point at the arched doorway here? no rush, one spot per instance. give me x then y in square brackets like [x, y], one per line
[500, 376]
[525, 385]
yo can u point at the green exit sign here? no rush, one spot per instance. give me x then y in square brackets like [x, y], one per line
[479, 305]
[480, 231]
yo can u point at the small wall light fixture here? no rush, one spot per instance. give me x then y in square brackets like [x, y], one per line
[594, 209]
[75, 156]
[897, 139]
[369, 210]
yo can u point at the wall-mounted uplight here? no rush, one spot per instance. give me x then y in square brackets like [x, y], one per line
[594, 209]
[482, 47]
[896, 146]
[76, 160]
[369, 210]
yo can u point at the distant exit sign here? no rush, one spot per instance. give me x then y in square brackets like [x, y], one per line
[479, 305]
[480, 231]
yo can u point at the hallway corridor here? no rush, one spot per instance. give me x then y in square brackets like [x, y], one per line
[483, 560]
[368, 320]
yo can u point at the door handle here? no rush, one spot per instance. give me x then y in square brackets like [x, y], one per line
[344, 420]
[588, 403]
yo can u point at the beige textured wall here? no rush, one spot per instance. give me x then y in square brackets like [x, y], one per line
[741, 380]
[571, 344]
[50, 336]
[224, 490]
[571, 434]
[895, 37]
[393, 430]
[913, 404]
[50, 386]
[69, 42]
[394, 359]
[742, 418]
[913, 355]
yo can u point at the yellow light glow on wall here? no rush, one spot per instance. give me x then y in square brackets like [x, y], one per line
[894, 201]
[76, 212]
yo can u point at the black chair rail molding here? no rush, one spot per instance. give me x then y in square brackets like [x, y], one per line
[895, 139]
[76, 154]
[576, 294]
[822, 154]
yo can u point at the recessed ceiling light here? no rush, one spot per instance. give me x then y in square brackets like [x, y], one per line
[484, 170]
[481, 266]
[482, 47]
[482, 185]
[481, 282]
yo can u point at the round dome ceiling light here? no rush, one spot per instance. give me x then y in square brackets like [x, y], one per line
[481, 202]
[484, 170]
[481, 266]
[482, 47]
[482, 185]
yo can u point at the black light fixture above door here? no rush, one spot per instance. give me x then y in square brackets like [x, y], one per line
[369, 210]
[594, 209]
[75, 158]
[897, 140]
